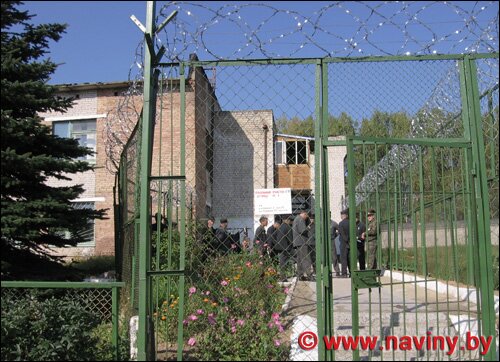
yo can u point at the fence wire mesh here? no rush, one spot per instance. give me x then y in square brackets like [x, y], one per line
[250, 126]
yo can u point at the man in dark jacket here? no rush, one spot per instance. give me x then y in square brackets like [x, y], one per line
[208, 238]
[284, 245]
[344, 242]
[272, 236]
[227, 242]
[300, 236]
[260, 237]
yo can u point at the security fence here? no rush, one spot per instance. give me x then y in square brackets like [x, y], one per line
[77, 310]
[396, 135]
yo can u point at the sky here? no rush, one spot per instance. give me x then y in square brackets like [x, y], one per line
[101, 40]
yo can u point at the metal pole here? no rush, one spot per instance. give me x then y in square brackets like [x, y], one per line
[145, 207]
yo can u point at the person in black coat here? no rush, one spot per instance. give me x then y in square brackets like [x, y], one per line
[344, 242]
[283, 246]
[260, 237]
[226, 242]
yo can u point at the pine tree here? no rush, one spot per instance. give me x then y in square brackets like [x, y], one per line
[33, 213]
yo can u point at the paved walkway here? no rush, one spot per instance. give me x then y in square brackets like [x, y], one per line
[399, 310]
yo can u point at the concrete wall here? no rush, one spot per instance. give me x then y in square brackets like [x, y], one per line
[434, 235]
[241, 163]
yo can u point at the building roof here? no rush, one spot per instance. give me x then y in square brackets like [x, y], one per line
[294, 136]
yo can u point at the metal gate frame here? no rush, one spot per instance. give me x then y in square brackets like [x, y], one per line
[472, 137]
[472, 140]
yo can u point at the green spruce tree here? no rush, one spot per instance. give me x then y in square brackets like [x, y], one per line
[33, 213]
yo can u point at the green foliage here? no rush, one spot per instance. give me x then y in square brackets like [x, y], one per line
[231, 310]
[33, 212]
[51, 329]
[104, 350]
[94, 264]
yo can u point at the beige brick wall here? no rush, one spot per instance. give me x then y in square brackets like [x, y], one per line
[85, 105]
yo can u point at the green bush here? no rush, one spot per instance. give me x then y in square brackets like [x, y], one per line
[47, 329]
[231, 311]
[104, 350]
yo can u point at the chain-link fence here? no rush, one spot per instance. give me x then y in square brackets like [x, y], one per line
[66, 313]
[249, 127]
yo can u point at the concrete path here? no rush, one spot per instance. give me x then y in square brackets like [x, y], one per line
[399, 310]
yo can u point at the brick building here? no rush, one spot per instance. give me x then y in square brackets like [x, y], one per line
[224, 152]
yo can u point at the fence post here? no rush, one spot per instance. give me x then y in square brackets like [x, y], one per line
[114, 320]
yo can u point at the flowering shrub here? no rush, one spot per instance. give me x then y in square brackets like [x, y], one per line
[231, 310]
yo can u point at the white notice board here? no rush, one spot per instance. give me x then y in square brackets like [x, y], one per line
[272, 201]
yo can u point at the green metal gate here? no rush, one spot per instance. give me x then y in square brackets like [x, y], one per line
[431, 196]
[427, 178]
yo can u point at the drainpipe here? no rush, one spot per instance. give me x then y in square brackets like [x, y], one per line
[266, 129]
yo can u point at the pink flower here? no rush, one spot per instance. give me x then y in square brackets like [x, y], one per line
[248, 264]
[262, 313]
[286, 290]
[270, 286]
[233, 246]
[233, 329]
[270, 325]
[240, 322]
[200, 311]
[224, 283]
[207, 292]
[185, 322]
[277, 342]
[211, 319]
[281, 329]
[257, 241]
[277, 322]
[192, 290]
[192, 317]
[275, 316]
[191, 341]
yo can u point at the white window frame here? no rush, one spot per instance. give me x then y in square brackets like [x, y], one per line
[283, 153]
[90, 158]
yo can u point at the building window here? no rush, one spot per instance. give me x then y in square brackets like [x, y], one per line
[290, 152]
[88, 234]
[84, 131]
[279, 153]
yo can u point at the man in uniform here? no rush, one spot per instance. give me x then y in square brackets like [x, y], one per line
[300, 238]
[371, 240]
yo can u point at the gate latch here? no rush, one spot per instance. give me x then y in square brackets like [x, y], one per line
[363, 279]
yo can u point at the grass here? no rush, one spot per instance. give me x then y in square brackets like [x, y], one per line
[443, 263]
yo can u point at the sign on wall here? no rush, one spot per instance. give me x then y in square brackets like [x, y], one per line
[272, 201]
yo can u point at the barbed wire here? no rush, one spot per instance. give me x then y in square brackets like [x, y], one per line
[336, 29]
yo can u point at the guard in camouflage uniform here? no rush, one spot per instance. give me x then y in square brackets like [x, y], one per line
[371, 240]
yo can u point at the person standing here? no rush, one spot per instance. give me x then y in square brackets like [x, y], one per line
[272, 236]
[336, 247]
[226, 241]
[284, 245]
[260, 237]
[208, 237]
[311, 242]
[344, 242]
[300, 236]
[371, 240]
[360, 236]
